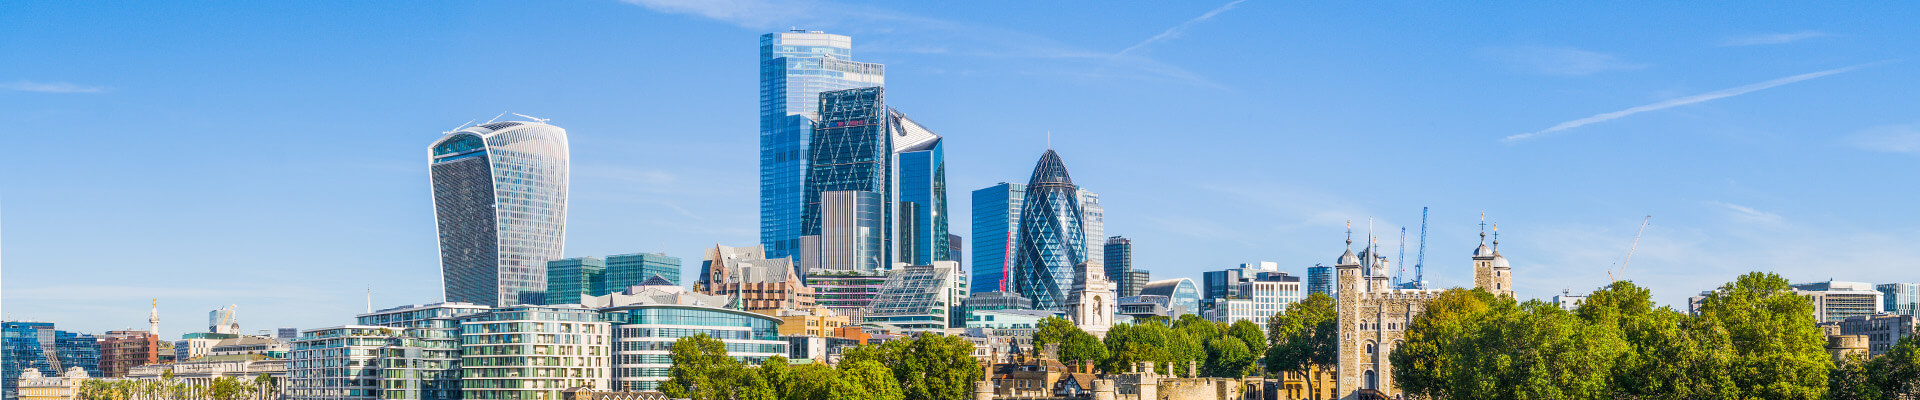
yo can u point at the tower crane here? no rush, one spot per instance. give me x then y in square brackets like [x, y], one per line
[1402, 260]
[1420, 261]
[1630, 249]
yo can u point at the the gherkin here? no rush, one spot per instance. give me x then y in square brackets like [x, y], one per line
[1052, 237]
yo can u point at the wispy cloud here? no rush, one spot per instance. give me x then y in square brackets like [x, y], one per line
[1562, 61]
[1698, 98]
[1903, 138]
[51, 87]
[1176, 30]
[895, 32]
[1772, 38]
[1746, 214]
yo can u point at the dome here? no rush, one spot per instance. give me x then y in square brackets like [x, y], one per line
[1483, 251]
[1500, 261]
[1348, 259]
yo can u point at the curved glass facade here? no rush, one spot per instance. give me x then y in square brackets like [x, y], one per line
[644, 334]
[1181, 292]
[1052, 240]
[500, 202]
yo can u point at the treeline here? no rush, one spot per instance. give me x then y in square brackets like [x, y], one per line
[1753, 339]
[1222, 350]
[928, 367]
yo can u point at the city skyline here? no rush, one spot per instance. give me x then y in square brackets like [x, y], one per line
[1763, 151]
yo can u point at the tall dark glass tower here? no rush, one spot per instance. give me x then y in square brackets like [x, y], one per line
[500, 200]
[1052, 236]
[851, 151]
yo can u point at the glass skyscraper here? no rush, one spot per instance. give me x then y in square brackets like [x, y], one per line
[996, 225]
[1053, 238]
[572, 279]
[922, 169]
[794, 68]
[500, 200]
[851, 151]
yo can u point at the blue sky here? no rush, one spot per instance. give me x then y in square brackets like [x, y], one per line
[272, 155]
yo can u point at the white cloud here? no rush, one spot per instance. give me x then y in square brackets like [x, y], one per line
[1747, 214]
[894, 32]
[1562, 61]
[1772, 38]
[51, 87]
[1176, 30]
[1698, 98]
[1903, 138]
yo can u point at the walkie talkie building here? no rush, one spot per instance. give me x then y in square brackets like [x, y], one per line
[500, 200]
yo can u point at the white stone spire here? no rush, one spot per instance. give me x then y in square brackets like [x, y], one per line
[153, 318]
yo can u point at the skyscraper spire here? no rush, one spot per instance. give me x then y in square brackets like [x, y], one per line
[153, 318]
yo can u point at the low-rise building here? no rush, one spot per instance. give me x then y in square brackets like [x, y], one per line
[647, 319]
[533, 352]
[1014, 326]
[35, 386]
[817, 321]
[1835, 301]
[920, 297]
[1882, 331]
[120, 351]
[751, 281]
[847, 292]
[1183, 296]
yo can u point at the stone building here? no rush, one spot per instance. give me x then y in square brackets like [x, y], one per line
[751, 281]
[35, 386]
[1373, 315]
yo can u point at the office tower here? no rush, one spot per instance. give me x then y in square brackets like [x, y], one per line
[851, 171]
[1834, 301]
[1093, 225]
[1883, 331]
[38, 345]
[1320, 280]
[996, 226]
[1258, 297]
[920, 297]
[572, 279]
[794, 68]
[954, 245]
[1132, 282]
[922, 172]
[120, 351]
[749, 281]
[1183, 297]
[624, 270]
[646, 320]
[570, 349]
[500, 201]
[1052, 236]
[286, 334]
[849, 238]
[1118, 256]
[1899, 298]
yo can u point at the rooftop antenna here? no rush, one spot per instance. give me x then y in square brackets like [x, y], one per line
[1049, 139]
[462, 126]
[369, 299]
[540, 120]
[495, 118]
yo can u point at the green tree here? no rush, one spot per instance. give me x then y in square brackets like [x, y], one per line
[928, 367]
[1228, 357]
[778, 374]
[1128, 344]
[1249, 333]
[702, 370]
[226, 388]
[1076, 345]
[1423, 365]
[1302, 338]
[1896, 374]
[1778, 352]
[1852, 379]
[870, 380]
[1672, 356]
